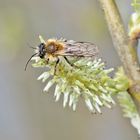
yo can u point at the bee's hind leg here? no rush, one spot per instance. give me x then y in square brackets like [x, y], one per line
[72, 65]
[55, 67]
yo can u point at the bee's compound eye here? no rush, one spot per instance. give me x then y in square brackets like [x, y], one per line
[41, 46]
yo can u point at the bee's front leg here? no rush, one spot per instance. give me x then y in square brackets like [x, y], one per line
[47, 60]
[55, 67]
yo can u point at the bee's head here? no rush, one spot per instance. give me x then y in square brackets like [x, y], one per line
[42, 50]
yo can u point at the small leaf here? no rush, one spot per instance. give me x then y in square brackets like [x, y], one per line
[65, 99]
[89, 105]
[49, 84]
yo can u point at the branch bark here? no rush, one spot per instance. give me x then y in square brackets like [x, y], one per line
[122, 44]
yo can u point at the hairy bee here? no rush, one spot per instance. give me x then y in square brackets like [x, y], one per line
[53, 48]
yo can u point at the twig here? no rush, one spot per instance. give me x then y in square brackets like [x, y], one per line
[122, 43]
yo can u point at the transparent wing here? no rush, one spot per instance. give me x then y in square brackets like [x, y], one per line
[80, 49]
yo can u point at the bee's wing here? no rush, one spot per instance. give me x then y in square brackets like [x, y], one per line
[80, 49]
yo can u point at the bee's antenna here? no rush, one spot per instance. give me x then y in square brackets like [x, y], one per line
[31, 46]
[29, 61]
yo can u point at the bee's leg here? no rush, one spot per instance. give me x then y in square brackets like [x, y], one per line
[47, 61]
[56, 65]
[69, 61]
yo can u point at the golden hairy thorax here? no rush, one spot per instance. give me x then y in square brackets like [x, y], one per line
[53, 45]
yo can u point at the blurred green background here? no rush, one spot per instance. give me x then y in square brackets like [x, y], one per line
[26, 113]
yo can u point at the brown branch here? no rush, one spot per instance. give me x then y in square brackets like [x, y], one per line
[122, 43]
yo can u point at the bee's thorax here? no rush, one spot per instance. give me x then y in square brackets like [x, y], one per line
[51, 48]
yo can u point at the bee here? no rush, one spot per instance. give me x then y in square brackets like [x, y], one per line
[55, 48]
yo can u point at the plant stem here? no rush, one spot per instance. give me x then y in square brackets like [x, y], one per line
[122, 43]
